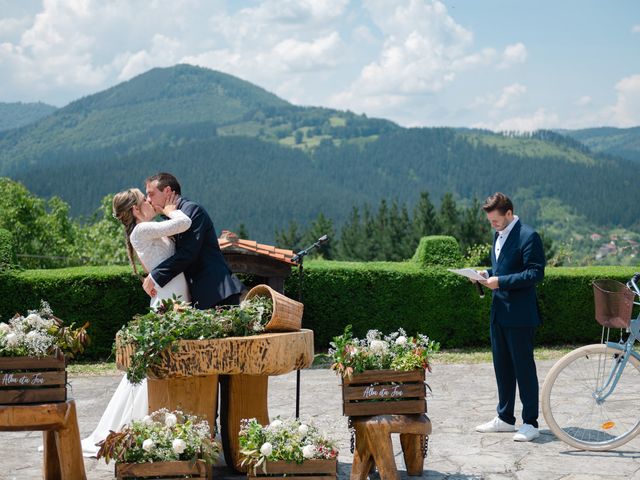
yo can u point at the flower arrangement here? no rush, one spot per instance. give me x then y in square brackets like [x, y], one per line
[282, 440]
[174, 320]
[395, 351]
[39, 334]
[163, 436]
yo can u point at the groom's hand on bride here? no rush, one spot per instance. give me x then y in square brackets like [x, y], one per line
[149, 286]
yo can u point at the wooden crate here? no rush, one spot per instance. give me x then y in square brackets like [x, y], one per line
[307, 470]
[384, 392]
[28, 380]
[164, 470]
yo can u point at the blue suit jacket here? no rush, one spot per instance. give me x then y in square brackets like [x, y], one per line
[518, 268]
[199, 257]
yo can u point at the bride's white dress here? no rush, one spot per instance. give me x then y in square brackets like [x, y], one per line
[129, 402]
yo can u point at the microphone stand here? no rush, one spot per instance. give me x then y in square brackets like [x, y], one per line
[299, 259]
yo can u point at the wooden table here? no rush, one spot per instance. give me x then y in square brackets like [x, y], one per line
[187, 378]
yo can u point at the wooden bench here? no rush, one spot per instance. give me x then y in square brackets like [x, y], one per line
[59, 424]
[373, 444]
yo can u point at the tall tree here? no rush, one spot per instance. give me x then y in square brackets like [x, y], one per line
[449, 216]
[474, 227]
[425, 220]
[319, 227]
[291, 237]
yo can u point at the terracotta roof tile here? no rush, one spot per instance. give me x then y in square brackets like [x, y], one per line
[230, 241]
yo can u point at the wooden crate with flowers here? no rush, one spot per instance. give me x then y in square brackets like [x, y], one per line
[287, 449]
[382, 375]
[164, 444]
[32, 357]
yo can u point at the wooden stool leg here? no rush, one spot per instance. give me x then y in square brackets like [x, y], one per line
[51, 468]
[412, 451]
[242, 396]
[362, 458]
[69, 447]
[379, 438]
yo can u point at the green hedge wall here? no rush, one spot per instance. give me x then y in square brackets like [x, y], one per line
[7, 249]
[378, 295]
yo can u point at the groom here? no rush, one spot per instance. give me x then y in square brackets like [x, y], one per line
[197, 255]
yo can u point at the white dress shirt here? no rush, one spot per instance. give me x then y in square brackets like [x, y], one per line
[502, 236]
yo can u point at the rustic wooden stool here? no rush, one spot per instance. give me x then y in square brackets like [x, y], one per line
[374, 448]
[59, 425]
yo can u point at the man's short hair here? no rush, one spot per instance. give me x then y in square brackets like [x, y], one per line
[165, 179]
[498, 201]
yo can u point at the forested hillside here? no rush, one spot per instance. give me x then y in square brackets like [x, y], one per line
[256, 160]
[18, 114]
[621, 142]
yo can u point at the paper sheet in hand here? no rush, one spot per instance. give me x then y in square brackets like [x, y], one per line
[467, 272]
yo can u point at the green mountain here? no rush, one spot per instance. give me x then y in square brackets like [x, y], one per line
[252, 158]
[15, 115]
[620, 142]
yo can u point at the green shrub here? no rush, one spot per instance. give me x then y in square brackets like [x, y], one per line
[381, 295]
[7, 250]
[438, 250]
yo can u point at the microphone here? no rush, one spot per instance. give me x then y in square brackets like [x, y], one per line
[323, 238]
[479, 289]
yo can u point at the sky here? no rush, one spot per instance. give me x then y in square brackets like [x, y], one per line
[496, 64]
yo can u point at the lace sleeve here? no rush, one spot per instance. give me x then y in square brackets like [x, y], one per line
[178, 222]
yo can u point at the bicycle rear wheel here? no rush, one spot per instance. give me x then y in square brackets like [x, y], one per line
[569, 403]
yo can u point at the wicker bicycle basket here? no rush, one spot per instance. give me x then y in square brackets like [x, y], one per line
[614, 303]
[287, 313]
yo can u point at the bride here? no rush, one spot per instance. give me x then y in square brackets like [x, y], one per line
[150, 242]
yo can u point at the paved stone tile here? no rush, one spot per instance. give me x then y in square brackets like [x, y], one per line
[463, 397]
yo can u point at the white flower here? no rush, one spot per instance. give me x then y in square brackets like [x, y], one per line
[303, 430]
[179, 445]
[257, 327]
[170, 420]
[275, 424]
[401, 340]
[147, 445]
[34, 320]
[266, 449]
[378, 346]
[147, 420]
[308, 451]
[32, 334]
[4, 328]
[12, 339]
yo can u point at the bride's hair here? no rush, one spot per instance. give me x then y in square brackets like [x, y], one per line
[123, 204]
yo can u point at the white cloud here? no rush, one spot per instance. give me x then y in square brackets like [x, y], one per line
[583, 101]
[626, 111]
[509, 95]
[635, 28]
[540, 119]
[505, 100]
[516, 53]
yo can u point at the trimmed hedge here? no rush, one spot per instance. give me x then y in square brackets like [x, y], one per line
[440, 250]
[380, 295]
[7, 250]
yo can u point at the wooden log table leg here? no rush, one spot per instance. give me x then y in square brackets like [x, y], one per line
[362, 459]
[51, 465]
[241, 396]
[412, 451]
[193, 395]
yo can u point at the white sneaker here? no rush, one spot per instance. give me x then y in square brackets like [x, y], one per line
[495, 425]
[526, 433]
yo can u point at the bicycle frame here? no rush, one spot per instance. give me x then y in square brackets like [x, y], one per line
[601, 394]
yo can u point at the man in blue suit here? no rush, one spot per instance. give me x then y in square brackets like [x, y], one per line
[517, 265]
[197, 255]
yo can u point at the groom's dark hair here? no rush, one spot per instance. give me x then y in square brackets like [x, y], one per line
[165, 179]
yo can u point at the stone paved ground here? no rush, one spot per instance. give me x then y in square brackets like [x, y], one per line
[463, 396]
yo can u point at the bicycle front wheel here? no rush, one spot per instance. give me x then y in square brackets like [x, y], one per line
[572, 402]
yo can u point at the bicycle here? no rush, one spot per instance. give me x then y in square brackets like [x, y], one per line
[591, 396]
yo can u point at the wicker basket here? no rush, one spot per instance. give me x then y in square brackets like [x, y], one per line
[613, 303]
[287, 313]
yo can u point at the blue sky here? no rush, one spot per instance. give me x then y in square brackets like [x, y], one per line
[503, 65]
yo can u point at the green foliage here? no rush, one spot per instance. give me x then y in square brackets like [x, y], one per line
[440, 250]
[7, 250]
[15, 115]
[159, 330]
[621, 142]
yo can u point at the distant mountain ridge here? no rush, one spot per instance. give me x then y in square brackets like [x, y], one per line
[18, 114]
[620, 142]
[253, 158]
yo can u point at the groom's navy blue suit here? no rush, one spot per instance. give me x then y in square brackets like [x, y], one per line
[514, 318]
[199, 257]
